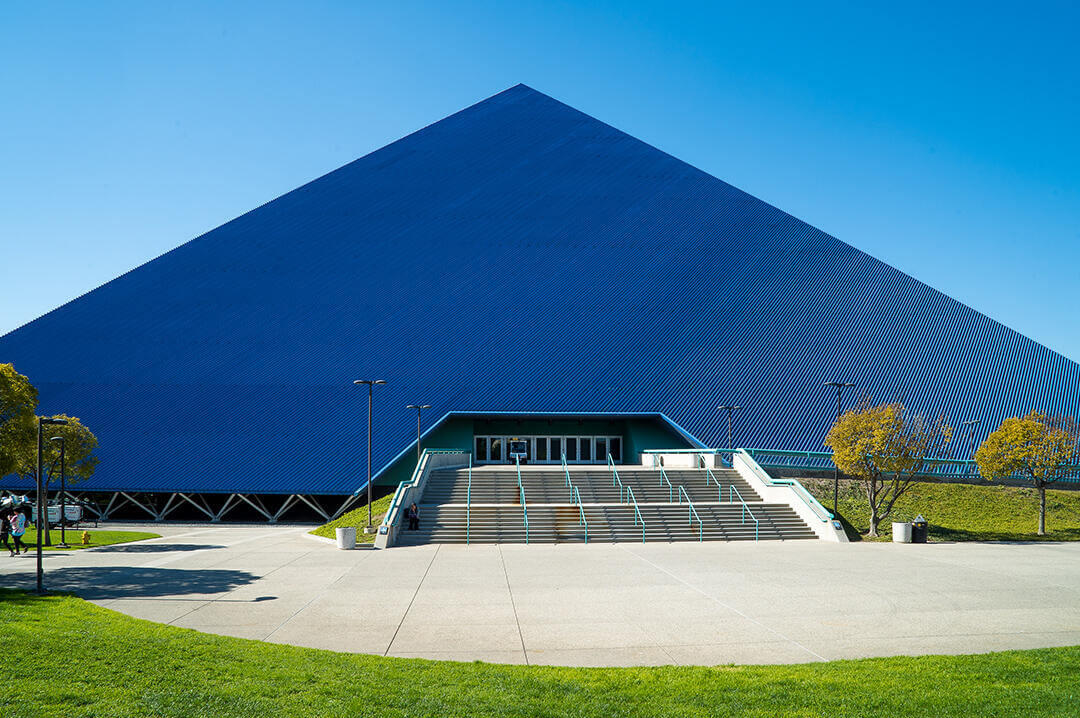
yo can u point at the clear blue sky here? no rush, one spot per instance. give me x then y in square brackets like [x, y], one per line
[943, 140]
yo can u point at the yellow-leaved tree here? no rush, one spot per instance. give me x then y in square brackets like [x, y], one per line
[1037, 447]
[885, 449]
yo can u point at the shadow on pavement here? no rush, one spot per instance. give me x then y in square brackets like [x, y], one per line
[135, 582]
[153, 548]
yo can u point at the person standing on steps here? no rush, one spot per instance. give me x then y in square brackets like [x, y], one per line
[414, 517]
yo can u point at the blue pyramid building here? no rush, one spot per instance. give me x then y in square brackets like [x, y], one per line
[523, 268]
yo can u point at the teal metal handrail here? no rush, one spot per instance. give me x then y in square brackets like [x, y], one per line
[575, 497]
[665, 480]
[820, 511]
[732, 491]
[468, 503]
[692, 513]
[391, 514]
[521, 498]
[637, 511]
[616, 480]
[566, 470]
[710, 476]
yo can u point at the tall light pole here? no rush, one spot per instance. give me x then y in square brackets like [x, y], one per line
[840, 386]
[41, 498]
[729, 409]
[371, 389]
[63, 491]
[970, 424]
[419, 408]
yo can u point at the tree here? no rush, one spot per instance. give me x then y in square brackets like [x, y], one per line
[18, 400]
[79, 458]
[1038, 447]
[885, 450]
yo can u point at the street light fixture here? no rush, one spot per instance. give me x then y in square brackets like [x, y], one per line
[419, 409]
[371, 389]
[42, 528]
[840, 386]
[63, 492]
[729, 409]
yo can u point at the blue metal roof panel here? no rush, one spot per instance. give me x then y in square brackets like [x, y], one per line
[516, 256]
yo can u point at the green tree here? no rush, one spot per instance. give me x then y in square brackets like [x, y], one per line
[79, 458]
[1038, 447]
[885, 449]
[18, 400]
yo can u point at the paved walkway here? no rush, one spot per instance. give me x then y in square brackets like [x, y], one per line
[622, 604]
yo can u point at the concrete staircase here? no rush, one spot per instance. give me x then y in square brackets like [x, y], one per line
[495, 514]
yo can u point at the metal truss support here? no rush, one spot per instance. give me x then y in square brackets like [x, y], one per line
[255, 506]
[209, 514]
[310, 502]
[141, 506]
[288, 503]
[225, 508]
[348, 502]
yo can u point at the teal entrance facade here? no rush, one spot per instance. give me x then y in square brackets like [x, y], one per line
[585, 438]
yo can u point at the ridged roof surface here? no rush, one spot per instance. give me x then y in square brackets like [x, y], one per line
[516, 256]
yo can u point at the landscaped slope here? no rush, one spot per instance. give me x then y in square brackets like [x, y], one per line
[63, 656]
[962, 512]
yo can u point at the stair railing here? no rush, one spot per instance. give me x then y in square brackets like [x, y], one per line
[637, 511]
[468, 503]
[710, 477]
[732, 491]
[575, 497]
[566, 471]
[521, 498]
[691, 513]
[665, 480]
[615, 480]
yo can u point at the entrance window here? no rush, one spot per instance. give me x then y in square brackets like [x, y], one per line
[556, 448]
[615, 447]
[541, 448]
[601, 448]
[480, 453]
[585, 446]
[571, 448]
[496, 450]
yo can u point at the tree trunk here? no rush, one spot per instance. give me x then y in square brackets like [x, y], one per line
[1042, 509]
[873, 522]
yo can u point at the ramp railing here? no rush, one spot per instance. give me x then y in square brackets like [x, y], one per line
[409, 491]
[575, 498]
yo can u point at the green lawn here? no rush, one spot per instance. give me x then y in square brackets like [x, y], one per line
[962, 512]
[62, 656]
[358, 518]
[97, 538]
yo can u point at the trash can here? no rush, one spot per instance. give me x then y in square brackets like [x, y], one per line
[346, 537]
[919, 530]
[901, 532]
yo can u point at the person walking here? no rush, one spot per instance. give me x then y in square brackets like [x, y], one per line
[18, 528]
[5, 531]
[414, 517]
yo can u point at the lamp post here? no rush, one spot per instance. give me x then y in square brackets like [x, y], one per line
[729, 409]
[419, 409]
[41, 498]
[971, 424]
[63, 491]
[840, 386]
[371, 389]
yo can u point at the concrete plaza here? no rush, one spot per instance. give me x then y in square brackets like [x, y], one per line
[613, 604]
